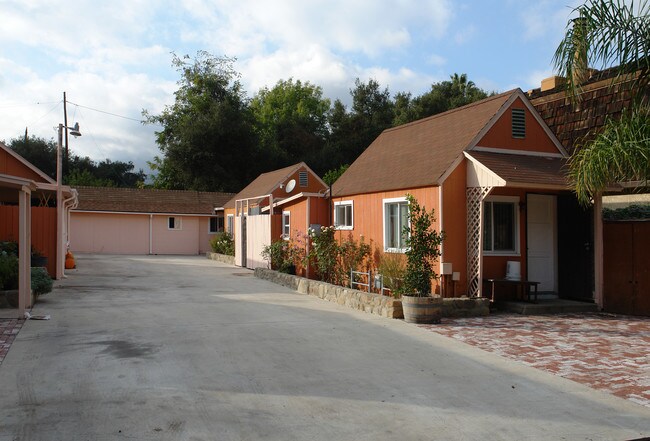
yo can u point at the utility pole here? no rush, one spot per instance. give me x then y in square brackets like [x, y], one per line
[65, 125]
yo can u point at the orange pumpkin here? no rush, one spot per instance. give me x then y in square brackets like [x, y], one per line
[69, 261]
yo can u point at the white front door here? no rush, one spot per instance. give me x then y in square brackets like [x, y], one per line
[542, 241]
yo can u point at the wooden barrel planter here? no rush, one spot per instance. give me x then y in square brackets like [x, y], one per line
[425, 310]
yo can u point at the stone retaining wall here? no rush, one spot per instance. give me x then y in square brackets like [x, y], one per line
[224, 258]
[369, 302]
[352, 298]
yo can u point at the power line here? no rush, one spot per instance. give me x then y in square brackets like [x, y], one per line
[107, 113]
[13, 106]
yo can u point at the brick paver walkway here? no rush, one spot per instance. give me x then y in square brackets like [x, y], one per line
[606, 352]
[8, 330]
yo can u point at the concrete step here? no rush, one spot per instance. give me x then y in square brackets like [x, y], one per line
[551, 306]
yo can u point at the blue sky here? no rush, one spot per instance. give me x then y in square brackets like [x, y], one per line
[114, 56]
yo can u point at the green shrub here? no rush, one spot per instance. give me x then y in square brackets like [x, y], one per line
[8, 271]
[422, 250]
[41, 281]
[279, 256]
[393, 268]
[633, 212]
[222, 243]
[9, 247]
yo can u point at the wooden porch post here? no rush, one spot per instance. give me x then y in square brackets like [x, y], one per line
[24, 240]
[598, 250]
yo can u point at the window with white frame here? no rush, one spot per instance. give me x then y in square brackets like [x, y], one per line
[286, 225]
[344, 215]
[231, 224]
[174, 223]
[395, 219]
[501, 225]
[216, 224]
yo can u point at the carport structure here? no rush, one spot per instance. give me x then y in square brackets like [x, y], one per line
[18, 190]
[32, 216]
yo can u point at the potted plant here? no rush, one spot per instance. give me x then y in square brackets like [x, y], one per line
[422, 251]
[37, 258]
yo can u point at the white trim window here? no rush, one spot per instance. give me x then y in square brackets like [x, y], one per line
[230, 220]
[395, 219]
[286, 225]
[215, 225]
[173, 223]
[501, 225]
[344, 215]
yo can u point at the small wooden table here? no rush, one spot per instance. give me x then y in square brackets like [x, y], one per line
[523, 284]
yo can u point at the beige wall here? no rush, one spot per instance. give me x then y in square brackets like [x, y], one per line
[109, 233]
[115, 233]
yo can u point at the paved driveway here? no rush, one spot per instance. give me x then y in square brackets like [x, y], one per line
[163, 348]
[604, 351]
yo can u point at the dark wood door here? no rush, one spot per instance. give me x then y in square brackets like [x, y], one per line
[626, 267]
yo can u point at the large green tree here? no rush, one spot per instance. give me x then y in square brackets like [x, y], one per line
[207, 136]
[291, 122]
[444, 95]
[81, 170]
[610, 34]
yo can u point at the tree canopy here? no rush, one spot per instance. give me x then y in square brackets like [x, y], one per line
[207, 137]
[214, 138]
[81, 170]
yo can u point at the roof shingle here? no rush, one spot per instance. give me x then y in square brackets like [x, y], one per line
[418, 154]
[136, 200]
[264, 184]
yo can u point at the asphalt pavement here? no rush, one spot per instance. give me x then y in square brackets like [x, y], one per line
[185, 348]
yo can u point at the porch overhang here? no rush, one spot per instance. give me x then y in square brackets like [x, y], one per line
[280, 202]
[489, 169]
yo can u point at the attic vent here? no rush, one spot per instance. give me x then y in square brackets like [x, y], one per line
[518, 123]
[302, 178]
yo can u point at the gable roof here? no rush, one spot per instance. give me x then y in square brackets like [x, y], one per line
[267, 182]
[25, 163]
[137, 200]
[524, 170]
[419, 153]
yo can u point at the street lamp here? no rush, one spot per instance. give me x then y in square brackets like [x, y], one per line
[60, 252]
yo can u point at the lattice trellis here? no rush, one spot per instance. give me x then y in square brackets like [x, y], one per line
[475, 197]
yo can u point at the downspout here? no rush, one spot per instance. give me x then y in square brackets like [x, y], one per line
[307, 229]
[150, 234]
[442, 244]
[67, 207]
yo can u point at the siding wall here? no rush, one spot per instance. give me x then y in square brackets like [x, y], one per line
[43, 231]
[454, 224]
[115, 233]
[500, 134]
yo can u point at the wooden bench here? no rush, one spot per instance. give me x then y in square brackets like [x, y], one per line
[523, 285]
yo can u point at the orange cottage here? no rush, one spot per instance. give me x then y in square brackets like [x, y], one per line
[494, 174]
[281, 204]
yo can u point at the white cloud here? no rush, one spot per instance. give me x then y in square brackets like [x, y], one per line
[114, 56]
[546, 19]
[465, 34]
[367, 27]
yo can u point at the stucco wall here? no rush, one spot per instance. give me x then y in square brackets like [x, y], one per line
[109, 233]
[116, 233]
[181, 241]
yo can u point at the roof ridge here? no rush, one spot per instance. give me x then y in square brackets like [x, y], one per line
[162, 190]
[450, 111]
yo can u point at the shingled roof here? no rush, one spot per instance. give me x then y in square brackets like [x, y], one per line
[603, 96]
[525, 170]
[136, 200]
[264, 184]
[419, 153]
